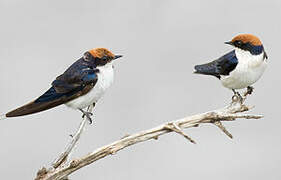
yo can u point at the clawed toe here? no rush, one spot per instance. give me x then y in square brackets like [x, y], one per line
[90, 120]
[250, 90]
[88, 115]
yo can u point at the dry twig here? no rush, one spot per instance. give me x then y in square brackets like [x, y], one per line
[229, 113]
[62, 159]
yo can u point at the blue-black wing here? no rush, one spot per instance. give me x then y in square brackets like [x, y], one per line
[222, 66]
[73, 80]
[78, 74]
[76, 81]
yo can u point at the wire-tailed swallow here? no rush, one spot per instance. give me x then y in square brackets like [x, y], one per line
[241, 67]
[80, 86]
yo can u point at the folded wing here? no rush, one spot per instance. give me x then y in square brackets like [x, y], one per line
[74, 82]
[222, 66]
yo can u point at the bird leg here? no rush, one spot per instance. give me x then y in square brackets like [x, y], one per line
[237, 95]
[249, 91]
[87, 114]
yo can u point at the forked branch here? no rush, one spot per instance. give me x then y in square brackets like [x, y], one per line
[229, 113]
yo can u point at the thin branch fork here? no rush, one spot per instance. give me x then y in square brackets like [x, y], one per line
[63, 158]
[75, 138]
[229, 113]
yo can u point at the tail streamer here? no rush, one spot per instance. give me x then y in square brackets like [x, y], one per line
[2, 117]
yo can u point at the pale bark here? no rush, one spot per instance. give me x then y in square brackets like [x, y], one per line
[229, 113]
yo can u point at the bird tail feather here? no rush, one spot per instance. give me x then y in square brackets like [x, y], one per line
[47, 101]
[207, 69]
[3, 117]
[34, 107]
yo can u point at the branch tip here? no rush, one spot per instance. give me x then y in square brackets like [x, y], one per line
[155, 137]
[126, 135]
[41, 173]
[220, 125]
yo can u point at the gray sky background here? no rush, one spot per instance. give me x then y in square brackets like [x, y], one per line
[161, 42]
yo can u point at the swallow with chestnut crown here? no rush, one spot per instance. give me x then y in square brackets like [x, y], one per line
[241, 67]
[80, 86]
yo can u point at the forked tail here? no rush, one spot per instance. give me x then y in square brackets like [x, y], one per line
[47, 101]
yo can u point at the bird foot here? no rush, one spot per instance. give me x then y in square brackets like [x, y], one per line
[249, 91]
[88, 115]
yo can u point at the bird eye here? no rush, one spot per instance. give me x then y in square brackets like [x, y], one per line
[104, 58]
[239, 43]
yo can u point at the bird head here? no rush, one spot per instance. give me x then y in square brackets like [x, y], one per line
[247, 42]
[100, 56]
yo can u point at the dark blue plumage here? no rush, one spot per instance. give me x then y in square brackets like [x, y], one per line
[73, 80]
[254, 50]
[51, 95]
[222, 66]
[79, 73]
[77, 80]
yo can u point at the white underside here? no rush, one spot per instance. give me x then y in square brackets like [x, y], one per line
[248, 70]
[105, 79]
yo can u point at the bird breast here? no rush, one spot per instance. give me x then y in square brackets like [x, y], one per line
[105, 79]
[248, 70]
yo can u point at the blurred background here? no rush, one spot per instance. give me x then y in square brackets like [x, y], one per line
[161, 42]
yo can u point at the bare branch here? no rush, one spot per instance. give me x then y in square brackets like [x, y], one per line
[63, 157]
[220, 125]
[174, 127]
[229, 113]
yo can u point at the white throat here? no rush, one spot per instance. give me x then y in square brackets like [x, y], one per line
[248, 70]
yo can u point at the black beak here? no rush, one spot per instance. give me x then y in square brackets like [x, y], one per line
[117, 56]
[229, 42]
